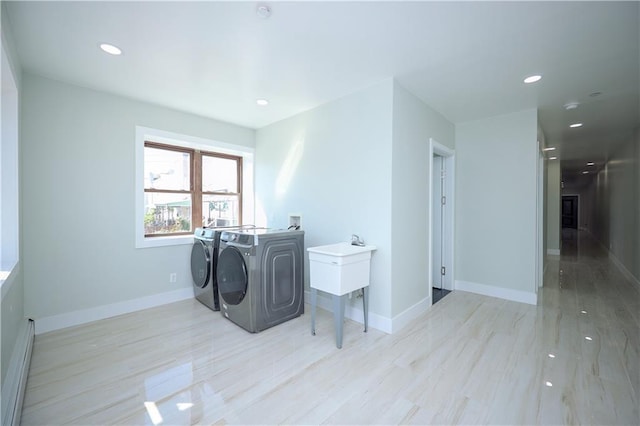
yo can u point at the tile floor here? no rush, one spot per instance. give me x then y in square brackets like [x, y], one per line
[573, 359]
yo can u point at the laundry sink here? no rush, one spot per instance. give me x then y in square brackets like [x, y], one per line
[339, 268]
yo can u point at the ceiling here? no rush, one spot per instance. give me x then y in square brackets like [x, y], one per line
[466, 60]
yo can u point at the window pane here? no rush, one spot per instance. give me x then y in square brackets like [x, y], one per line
[166, 213]
[220, 210]
[166, 169]
[219, 174]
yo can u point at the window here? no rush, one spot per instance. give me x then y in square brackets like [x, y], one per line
[169, 173]
[186, 188]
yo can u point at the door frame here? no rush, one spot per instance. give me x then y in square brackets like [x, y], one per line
[448, 155]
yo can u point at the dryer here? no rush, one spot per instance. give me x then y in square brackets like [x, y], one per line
[204, 257]
[203, 254]
[260, 275]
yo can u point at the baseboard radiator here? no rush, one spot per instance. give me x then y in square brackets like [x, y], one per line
[16, 379]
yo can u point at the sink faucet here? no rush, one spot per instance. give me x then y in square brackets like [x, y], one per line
[356, 241]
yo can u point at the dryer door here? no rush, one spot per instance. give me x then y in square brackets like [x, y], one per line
[232, 276]
[200, 264]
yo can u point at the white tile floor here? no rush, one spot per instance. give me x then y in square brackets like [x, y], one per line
[470, 360]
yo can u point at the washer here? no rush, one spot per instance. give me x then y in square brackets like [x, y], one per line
[260, 276]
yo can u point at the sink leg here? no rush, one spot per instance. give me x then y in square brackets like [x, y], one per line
[365, 307]
[314, 299]
[338, 318]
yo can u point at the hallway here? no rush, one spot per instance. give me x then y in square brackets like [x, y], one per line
[593, 314]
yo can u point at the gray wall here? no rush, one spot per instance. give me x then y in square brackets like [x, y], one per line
[496, 169]
[78, 197]
[332, 165]
[12, 300]
[413, 124]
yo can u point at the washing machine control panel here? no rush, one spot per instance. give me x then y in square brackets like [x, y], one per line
[237, 238]
[204, 233]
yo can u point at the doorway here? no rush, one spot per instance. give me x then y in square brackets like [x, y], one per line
[441, 221]
[570, 211]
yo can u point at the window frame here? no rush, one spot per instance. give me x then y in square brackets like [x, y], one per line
[195, 184]
[239, 175]
[246, 186]
[9, 174]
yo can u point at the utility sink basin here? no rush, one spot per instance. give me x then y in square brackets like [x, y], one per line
[341, 249]
[339, 268]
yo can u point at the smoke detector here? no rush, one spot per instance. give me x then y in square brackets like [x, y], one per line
[263, 10]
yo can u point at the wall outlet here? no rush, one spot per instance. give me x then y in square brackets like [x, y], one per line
[173, 277]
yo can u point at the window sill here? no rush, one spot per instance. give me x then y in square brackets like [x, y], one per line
[178, 240]
[5, 273]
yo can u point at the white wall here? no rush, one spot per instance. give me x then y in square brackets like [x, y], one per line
[616, 207]
[413, 124]
[637, 160]
[496, 169]
[332, 165]
[78, 201]
[553, 206]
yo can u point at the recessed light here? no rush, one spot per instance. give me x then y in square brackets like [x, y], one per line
[552, 356]
[575, 125]
[262, 102]
[551, 148]
[588, 338]
[585, 172]
[532, 79]
[110, 49]
[583, 311]
[571, 105]
[548, 384]
[591, 163]
[553, 158]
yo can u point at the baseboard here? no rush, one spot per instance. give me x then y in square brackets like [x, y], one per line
[553, 252]
[56, 322]
[15, 381]
[612, 257]
[623, 269]
[412, 312]
[499, 292]
[384, 324]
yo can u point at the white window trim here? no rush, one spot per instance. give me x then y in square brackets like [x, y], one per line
[144, 134]
[9, 177]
